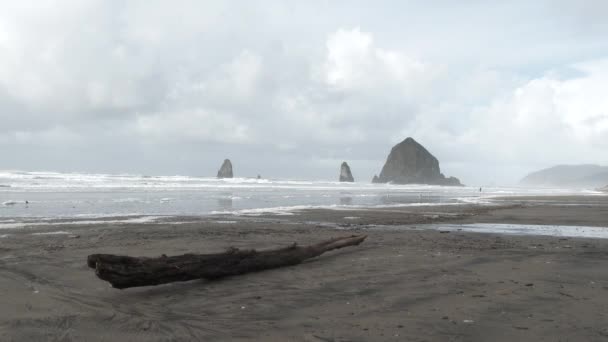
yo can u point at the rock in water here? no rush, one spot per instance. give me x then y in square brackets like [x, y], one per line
[226, 170]
[410, 163]
[375, 179]
[345, 174]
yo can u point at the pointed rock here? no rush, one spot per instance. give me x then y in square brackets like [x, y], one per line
[375, 179]
[226, 170]
[345, 174]
[410, 163]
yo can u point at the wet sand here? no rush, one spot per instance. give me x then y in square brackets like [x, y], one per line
[402, 284]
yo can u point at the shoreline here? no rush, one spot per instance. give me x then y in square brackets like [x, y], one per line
[400, 284]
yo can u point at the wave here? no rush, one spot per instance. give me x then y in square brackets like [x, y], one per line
[114, 221]
[75, 180]
[15, 181]
[60, 232]
[292, 210]
[127, 200]
[475, 200]
[69, 195]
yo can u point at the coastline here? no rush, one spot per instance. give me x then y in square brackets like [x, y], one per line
[400, 284]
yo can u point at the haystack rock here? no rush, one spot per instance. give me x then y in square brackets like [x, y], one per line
[375, 179]
[345, 174]
[226, 170]
[410, 163]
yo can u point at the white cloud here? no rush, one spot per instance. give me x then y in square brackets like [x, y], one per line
[67, 58]
[192, 125]
[354, 62]
[344, 82]
[57, 136]
[548, 120]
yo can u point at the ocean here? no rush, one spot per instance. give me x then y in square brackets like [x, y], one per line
[40, 196]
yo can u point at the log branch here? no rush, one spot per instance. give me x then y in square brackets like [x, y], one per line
[125, 271]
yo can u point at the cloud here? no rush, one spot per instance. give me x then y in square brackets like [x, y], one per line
[194, 125]
[354, 62]
[548, 119]
[308, 83]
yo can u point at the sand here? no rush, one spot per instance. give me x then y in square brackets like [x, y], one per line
[402, 284]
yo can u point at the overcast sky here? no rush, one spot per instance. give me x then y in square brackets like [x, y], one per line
[290, 89]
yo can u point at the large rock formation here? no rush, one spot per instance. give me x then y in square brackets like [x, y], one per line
[345, 174]
[226, 170]
[410, 163]
[568, 176]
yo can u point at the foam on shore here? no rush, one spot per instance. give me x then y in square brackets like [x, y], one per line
[41, 223]
[60, 232]
[292, 210]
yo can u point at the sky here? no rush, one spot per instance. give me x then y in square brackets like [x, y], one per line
[290, 89]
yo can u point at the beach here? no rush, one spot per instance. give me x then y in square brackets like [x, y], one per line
[406, 282]
[316, 171]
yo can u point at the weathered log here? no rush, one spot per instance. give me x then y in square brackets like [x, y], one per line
[125, 271]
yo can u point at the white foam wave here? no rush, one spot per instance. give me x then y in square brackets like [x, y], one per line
[475, 200]
[291, 210]
[70, 195]
[60, 232]
[134, 220]
[80, 182]
[14, 225]
[128, 200]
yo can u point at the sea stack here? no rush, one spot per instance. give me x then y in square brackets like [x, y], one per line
[375, 179]
[345, 174]
[410, 163]
[226, 170]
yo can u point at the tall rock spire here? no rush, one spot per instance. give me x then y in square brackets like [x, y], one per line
[226, 170]
[345, 174]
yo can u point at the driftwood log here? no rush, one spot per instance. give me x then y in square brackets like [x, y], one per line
[125, 271]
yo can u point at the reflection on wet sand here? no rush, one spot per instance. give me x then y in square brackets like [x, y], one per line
[412, 198]
[346, 200]
[224, 202]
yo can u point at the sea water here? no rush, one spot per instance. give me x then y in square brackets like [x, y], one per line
[522, 229]
[52, 195]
